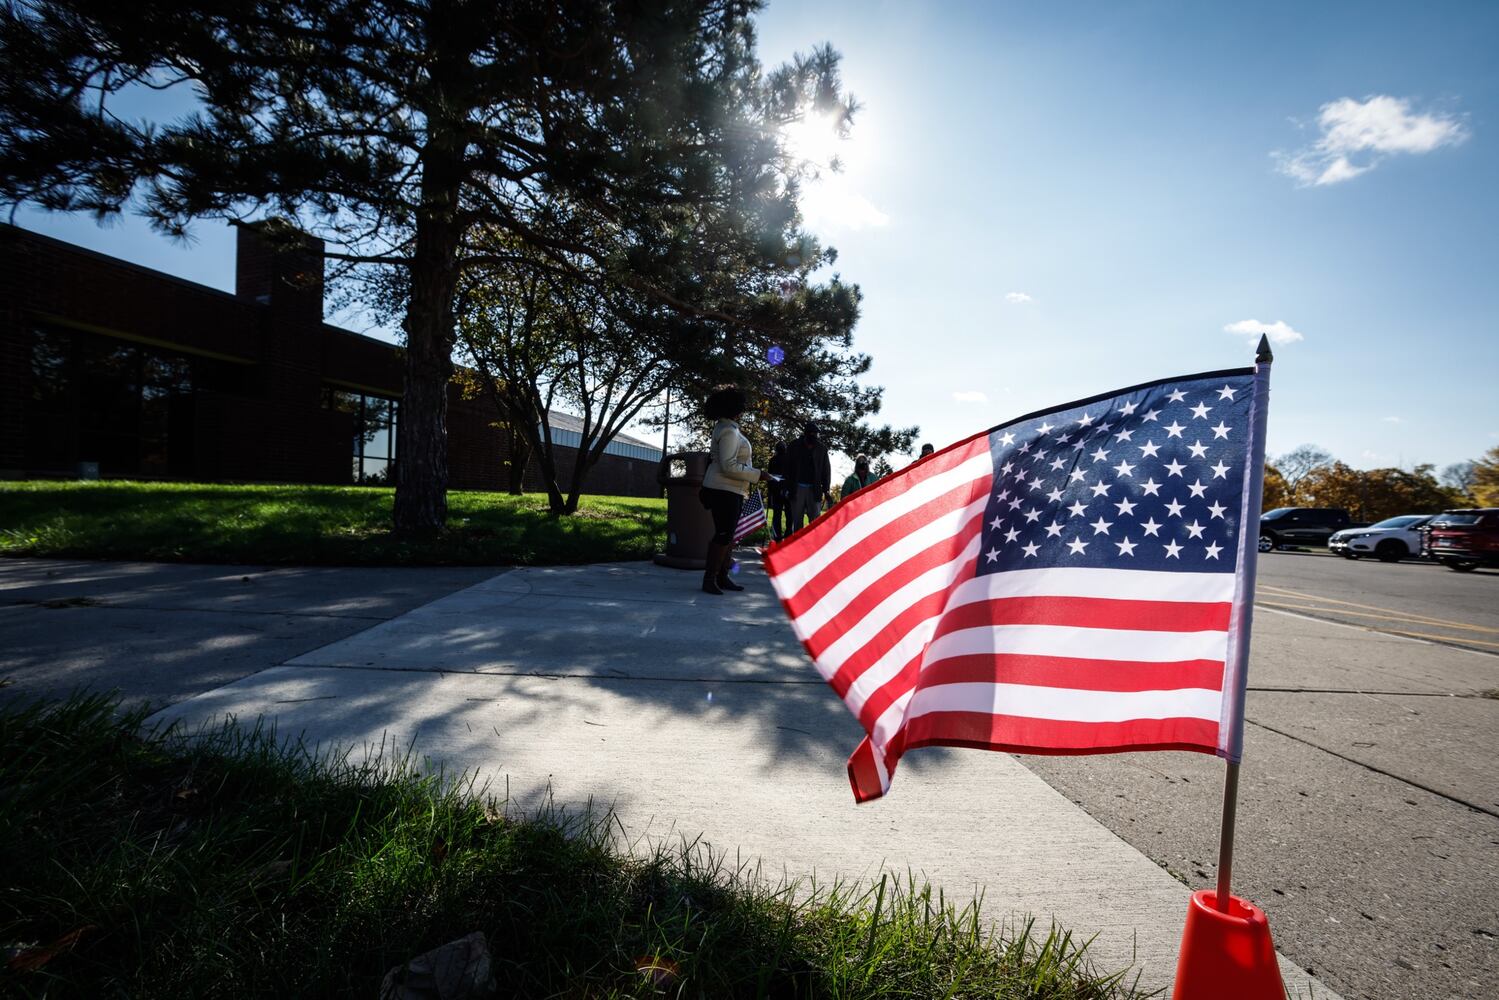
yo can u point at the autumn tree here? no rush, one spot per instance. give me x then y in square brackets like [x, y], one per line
[398, 131]
[1485, 487]
[1299, 463]
[1277, 494]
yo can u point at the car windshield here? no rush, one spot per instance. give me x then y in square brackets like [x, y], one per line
[1405, 520]
[1443, 519]
[1271, 515]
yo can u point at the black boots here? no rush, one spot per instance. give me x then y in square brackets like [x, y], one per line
[716, 567]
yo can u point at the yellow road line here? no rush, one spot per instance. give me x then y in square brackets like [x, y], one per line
[1283, 592]
[1464, 640]
[1387, 618]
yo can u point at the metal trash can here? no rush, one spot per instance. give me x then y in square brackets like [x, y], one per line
[689, 526]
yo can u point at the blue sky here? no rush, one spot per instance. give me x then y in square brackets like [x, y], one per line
[1044, 201]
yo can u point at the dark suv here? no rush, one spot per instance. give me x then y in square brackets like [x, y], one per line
[1300, 526]
[1464, 539]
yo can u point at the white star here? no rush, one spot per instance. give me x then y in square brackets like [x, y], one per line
[1174, 429]
[1025, 449]
[1151, 487]
[1220, 471]
[1128, 408]
[1007, 439]
[1077, 545]
[1177, 396]
[1081, 444]
[1031, 515]
[1011, 535]
[1015, 504]
[1195, 530]
[992, 555]
[1126, 506]
[1126, 547]
[1217, 509]
[1174, 467]
[1040, 454]
[1100, 455]
[1124, 435]
[1103, 427]
[996, 524]
[1221, 431]
[1151, 415]
[1077, 508]
[1201, 410]
[1124, 468]
[1084, 420]
[1226, 393]
[1036, 483]
[1101, 527]
[1148, 449]
[1057, 465]
[1064, 439]
[1055, 496]
[1078, 475]
[1212, 551]
[1002, 494]
[1151, 527]
[1197, 488]
[1054, 529]
[1030, 548]
[1099, 489]
[1173, 550]
[1198, 449]
[1174, 508]
[1004, 470]
[1043, 428]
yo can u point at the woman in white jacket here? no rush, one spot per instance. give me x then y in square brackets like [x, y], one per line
[725, 484]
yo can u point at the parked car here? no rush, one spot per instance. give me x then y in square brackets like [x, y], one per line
[1464, 539]
[1301, 526]
[1389, 540]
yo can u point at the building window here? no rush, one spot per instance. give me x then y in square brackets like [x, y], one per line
[374, 417]
[96, 399]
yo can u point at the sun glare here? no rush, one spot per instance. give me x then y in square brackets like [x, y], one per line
[814, 139]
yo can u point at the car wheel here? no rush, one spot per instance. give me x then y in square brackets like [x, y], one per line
[1391, 551]
[1267, 542]
[1461, 565]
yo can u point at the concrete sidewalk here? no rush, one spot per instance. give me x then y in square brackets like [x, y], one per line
[623, 685]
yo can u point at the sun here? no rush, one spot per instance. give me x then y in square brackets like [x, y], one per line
[814, 139]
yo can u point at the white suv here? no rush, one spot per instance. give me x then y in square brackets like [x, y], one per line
[1390, 540]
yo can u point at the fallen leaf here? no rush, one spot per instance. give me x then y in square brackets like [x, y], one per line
[33, 959]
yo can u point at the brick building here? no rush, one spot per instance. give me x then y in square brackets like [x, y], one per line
[150, 376]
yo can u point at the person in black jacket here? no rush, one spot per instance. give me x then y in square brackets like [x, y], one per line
[809, 477]
[778, 492]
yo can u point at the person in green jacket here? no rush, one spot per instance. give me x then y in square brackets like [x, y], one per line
[860, 478]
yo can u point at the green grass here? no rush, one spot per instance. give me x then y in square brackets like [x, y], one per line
[312, 525]
[148, 865]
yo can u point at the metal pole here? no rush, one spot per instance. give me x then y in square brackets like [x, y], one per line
[1226, 836]
[666, 423]
[1237, 668]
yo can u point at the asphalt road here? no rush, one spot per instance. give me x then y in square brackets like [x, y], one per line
[1369, 800]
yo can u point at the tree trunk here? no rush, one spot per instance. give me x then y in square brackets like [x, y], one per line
[520, 458]
[422, 435]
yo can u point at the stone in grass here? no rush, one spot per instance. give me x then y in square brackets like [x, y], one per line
[459, 970]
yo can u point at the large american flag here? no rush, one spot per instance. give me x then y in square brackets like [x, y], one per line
[1064, 583]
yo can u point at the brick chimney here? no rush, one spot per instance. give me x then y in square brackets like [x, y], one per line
[275, 264]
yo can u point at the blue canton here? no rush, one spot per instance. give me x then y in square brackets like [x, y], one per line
[1150, 479]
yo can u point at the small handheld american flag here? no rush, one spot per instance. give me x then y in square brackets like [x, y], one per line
[1070, 582]
[751, 517]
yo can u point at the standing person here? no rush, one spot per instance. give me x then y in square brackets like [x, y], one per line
[780, 495]
[725, 484]
[810, 477]
[861, 478]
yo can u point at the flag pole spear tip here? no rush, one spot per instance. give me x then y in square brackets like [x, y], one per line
[1262, 354]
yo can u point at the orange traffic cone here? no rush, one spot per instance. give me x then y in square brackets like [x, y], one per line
[1226, 956]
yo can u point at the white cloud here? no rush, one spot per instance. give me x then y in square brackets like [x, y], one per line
[829, 204]
[1279, 332]
[1358, 135]
[1392, 420]
[970, 396]
[1018, 298]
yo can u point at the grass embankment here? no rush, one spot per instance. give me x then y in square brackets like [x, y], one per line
[147, 865]
[312, 525]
